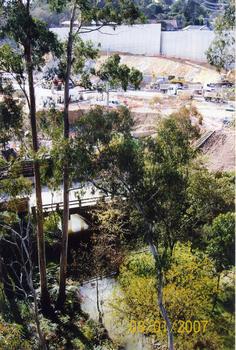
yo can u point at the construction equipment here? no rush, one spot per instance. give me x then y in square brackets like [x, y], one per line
[179, 80]
[163, 76]
[226, 79]
[218, 96]
[231, 76]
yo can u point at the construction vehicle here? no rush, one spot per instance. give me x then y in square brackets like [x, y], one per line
[180, 80]
[217, 96]
[152, 87]
[223, 82]
[162, 77]
[175, 90]
[226, 79]
[196, 88]
[208, 87]
[164, 88]
[231, 76]
[172, 90]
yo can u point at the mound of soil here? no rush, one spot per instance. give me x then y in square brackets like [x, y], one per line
[220, 151]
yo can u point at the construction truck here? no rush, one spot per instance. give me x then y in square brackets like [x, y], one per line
[174, 90]
[164, 88]
[196, 88]
[217, 96]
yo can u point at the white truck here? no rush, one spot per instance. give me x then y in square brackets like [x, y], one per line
[175, 90]
[172, 90]
[164, 87]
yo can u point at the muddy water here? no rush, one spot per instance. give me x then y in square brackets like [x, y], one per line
[130, 341]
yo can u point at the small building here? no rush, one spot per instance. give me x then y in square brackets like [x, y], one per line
[171, 24]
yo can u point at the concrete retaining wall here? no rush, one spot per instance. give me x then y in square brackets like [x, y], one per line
[190, 44]
[138, 39]
[148, 39]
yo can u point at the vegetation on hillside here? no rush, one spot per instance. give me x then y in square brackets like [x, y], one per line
[189, 297]
[184, 12]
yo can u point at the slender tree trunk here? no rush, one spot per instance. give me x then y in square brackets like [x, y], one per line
[65, 221]
[216, 293]
[98, 306]
[44, 296]
[163, 311]
[160, 288]
[36, 315]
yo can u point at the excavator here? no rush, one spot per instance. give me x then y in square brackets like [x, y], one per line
[226, 79]
[231, 76]
[179, 80]
[162, 75]
[163, 81]
[167, 78]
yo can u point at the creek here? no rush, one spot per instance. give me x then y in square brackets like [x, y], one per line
[106, 287]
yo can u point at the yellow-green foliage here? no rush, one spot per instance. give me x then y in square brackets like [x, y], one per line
[189, 287]
[11, 337]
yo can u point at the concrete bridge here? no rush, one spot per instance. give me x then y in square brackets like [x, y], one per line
[54, 199]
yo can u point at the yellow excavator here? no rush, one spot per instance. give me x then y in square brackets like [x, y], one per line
[169, 78]
[226, 79]
[231, 75]
[175, 80]
[161, 74]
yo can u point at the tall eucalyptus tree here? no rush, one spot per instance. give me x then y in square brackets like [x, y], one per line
[29, 42]
[83, 14]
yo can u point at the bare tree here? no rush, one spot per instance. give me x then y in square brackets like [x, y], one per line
[21, 244]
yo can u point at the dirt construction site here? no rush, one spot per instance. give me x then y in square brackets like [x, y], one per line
[192, 71]
[149, 107]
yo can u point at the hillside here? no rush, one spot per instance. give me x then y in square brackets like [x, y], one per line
[192, 71]
[220, 151]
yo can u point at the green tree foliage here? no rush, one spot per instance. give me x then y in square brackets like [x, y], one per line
[189, 286]
[221, 52]
[116, 74]
[155, 176]
[22, 27]
[210, 195]
[14, 187]
[11, 119]
[32, 41]
[12, 337]
[11, 113]
[151, 174]
[187, 11]
[86, 13]
[41, 10]
[221, 246]
[108, 251]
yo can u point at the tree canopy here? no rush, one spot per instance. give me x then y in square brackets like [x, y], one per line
[221, 52]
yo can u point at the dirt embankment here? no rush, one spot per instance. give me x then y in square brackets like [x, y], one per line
[220, 151]
[192, 71]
